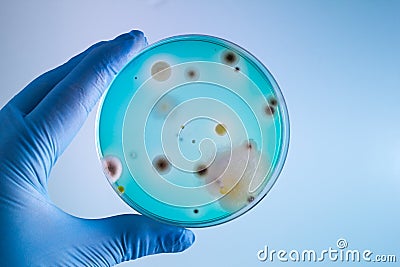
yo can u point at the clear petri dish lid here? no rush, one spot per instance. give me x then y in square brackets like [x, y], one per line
[193, 131]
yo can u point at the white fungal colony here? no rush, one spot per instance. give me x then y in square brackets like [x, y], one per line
[112, 168]
[235, 175]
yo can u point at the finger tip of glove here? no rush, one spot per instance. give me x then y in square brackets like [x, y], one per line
[189, 236]
[185, 240]
[138, 36]
[135, 40]
[124, 47]
[136, 33]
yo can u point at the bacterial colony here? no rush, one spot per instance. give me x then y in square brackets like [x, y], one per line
[193, 131]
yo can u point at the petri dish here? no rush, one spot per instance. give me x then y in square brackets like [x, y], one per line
[193, 131]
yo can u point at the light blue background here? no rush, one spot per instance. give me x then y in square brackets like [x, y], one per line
[338, 65]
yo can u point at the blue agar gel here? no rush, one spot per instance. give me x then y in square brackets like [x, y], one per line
[193, 131]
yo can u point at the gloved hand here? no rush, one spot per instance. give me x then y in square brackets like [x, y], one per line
[35, 128]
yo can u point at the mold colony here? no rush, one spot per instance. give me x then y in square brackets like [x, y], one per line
[161, 71]
[270, 108]
[220, 129]
[229, 57]
[235, 175]
[161, 164]
[112, 168]
[192, 74]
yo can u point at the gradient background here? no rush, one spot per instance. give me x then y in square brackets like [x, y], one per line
[338, 65]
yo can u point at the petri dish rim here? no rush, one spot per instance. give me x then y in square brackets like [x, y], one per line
[283, 142]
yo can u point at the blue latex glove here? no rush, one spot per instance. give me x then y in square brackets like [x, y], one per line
[35, 128]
